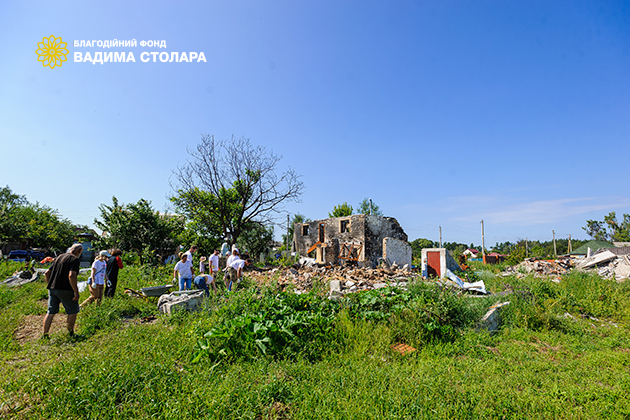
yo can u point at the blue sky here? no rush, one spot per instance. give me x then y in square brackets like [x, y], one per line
[443, 112]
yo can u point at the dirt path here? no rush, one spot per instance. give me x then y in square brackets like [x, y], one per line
[31, 327]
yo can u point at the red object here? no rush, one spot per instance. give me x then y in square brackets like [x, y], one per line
[433, 264]
[119, 262]
[46, 260]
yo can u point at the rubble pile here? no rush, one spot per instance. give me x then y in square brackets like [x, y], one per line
[607, 264]
[350, 279]
[539, 268]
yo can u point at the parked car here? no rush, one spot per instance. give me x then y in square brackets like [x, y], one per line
[22, 255]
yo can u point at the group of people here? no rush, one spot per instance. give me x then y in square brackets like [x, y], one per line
[62, 286]
[184, 272]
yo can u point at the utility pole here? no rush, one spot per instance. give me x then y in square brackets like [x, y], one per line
[526, 248]
[483, 244]
[555, 254]
[440, 236]
[570, 248]
[370, 206]
[288, 223]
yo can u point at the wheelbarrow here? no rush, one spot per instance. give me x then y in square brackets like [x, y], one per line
[150, 292]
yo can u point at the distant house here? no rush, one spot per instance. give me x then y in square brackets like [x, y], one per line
[471, 253]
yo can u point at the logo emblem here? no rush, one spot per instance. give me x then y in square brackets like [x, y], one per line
[52, 52]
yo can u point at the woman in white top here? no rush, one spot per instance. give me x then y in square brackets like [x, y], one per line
[185, 270]
[98, 278]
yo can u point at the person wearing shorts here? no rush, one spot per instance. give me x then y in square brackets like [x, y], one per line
[62, 288]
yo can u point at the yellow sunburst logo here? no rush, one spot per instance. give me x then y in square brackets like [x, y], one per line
[52, 52]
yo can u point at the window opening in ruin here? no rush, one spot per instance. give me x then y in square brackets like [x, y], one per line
[344, 226]
[304, 230]
[321, 232]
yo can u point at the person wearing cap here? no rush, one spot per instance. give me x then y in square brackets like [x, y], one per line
[97, 278]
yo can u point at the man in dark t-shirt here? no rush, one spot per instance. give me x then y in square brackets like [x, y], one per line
[62, 287]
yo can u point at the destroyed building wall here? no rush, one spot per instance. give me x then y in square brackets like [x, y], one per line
[397, 251]
[329, 236]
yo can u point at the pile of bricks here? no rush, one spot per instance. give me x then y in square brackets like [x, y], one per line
[350, 278]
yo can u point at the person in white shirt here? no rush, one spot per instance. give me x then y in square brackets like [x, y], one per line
[190, 252]
[235, 271]
[185, 270]
[235, 256]
[213, 267]
[98, 278]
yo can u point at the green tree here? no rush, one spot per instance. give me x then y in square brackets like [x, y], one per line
[24, 221]
[341, 210]
[12, 226]
[229, 184]
[256, 239]
[419, 244]
[137, 227]
[610, 229]
[364, 208]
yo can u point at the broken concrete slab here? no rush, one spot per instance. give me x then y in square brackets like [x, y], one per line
[491, 321]
[478, 286]
[597, 259]
[186, 300]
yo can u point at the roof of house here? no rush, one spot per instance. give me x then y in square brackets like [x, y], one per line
[473, 250]
[594, 245]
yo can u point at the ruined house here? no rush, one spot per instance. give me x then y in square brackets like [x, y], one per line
[359, 237]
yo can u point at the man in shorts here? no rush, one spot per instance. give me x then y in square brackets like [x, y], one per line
[62, 287]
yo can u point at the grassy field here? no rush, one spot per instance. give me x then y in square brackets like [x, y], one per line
[563, 352]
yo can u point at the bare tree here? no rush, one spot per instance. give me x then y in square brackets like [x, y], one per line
[227, 185]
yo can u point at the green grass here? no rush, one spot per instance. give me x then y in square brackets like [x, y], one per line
[541, 364]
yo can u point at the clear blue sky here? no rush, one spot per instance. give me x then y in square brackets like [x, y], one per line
[443, 112]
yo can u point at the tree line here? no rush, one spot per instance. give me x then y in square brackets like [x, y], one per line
[227, 191]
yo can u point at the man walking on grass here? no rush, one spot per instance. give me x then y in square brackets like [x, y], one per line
[62, 287]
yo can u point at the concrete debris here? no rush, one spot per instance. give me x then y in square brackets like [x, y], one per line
[539, 268]
[478, 286]
[596, 260]
[187, 300]
[20, 278]
[341, 279]
[491, 321]
[608, 264]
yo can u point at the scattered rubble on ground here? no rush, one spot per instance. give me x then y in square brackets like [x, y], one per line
[608, 263]
[349, 278]
[20, 278]
[539, 268]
